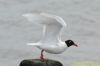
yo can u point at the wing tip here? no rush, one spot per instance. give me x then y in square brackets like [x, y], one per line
[34, 12]
[26, 14]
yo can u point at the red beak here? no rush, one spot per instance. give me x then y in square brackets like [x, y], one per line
[75, 45]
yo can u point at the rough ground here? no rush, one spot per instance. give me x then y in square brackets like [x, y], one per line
[83, 26]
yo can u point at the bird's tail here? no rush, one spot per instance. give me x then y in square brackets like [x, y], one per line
[33, 44]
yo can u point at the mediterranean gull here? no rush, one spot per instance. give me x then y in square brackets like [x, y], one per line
[52, 29]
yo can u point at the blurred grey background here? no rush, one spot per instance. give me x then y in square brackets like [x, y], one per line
[83, 26]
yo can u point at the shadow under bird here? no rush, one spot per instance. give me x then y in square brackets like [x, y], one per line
[52, 29]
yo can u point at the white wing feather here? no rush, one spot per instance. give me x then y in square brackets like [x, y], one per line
[52, 25]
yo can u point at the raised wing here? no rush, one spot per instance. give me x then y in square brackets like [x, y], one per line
[52, 25]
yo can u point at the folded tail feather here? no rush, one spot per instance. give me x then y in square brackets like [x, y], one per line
[33, 44]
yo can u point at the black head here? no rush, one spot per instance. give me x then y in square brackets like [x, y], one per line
[70, 43]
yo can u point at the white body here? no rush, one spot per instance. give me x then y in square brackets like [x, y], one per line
[51, 47]
[52, 28]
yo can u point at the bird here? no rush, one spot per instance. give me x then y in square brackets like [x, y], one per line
[51, 33]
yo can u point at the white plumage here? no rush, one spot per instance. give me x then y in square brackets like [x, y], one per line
[52, 29]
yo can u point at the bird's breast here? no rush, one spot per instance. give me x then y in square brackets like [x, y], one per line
[52, 48]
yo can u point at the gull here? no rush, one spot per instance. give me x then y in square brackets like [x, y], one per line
[51, 38]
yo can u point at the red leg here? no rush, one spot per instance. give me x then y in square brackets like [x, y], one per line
[42, 56]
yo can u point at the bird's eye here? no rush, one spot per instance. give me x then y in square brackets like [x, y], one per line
[69, 41]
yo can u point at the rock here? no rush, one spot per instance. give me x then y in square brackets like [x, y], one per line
[38, 62]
